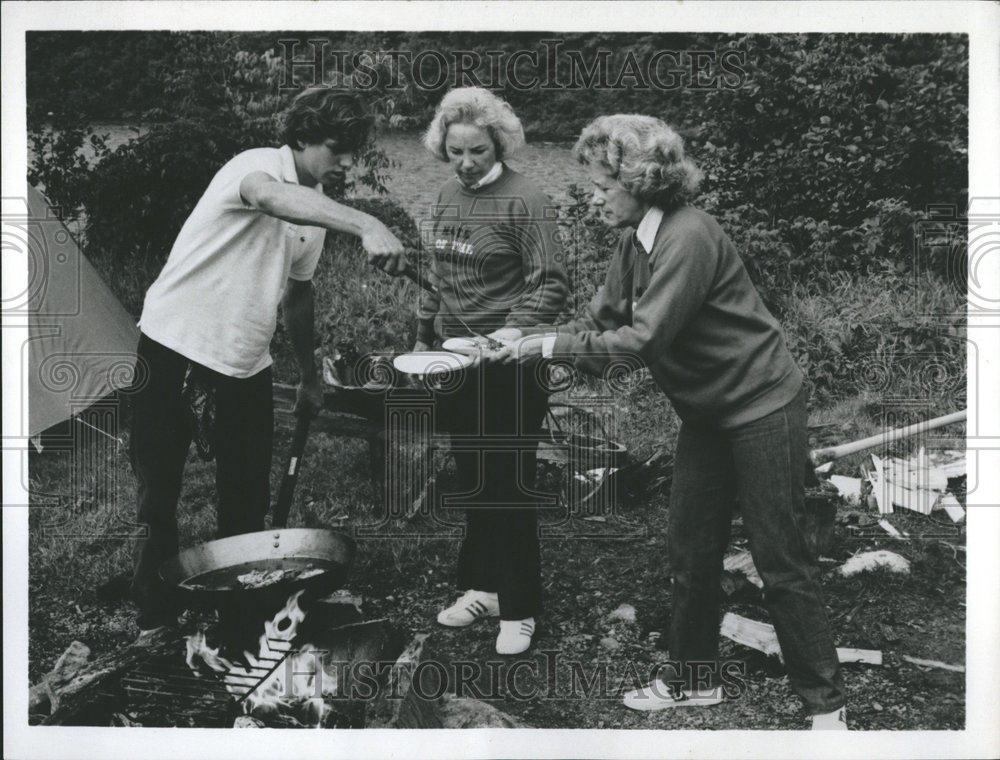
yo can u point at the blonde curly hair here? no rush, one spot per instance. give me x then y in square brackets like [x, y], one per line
[644, 154]
[480, 107]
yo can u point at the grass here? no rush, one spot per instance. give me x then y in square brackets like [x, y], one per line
[84, 494]
[409, 579]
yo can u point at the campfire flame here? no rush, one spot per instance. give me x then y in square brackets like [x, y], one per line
[299, 684]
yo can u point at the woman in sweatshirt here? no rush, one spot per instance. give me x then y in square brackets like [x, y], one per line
[678, 299]
[494, 256]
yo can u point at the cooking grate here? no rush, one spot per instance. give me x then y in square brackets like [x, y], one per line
[167, 689]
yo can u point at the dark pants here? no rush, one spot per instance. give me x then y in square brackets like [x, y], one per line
[158, 446]
[761, 465]
[495, 484]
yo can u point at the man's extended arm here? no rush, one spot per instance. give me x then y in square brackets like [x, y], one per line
[298, 308]
[303, 205]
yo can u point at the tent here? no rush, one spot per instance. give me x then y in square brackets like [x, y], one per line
[81, 340]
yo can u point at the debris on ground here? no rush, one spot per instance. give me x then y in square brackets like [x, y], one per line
[933, 664]
[343, 596]
[44, 694]
[623, 612]
[247, 721]
[919, 483]
[122, 720]
[952, 508]
[889, 528]
[742, 563]
[848, 488]
[763, 638]
[610, 643]
[751, 633]
[868, 561]
[866, 656]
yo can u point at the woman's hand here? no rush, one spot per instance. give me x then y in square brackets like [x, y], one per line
[521, 351]
[506, 334]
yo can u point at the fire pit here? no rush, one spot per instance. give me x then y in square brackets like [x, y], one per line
[303, 674]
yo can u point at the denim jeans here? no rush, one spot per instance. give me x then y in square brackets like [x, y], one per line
[761, 465]
[158, 447]
[500, 551]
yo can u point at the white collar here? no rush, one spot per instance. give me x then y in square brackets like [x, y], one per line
[288, 171]
[646, 231]
[490, 176]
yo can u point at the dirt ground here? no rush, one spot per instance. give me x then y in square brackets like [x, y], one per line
[408, 579]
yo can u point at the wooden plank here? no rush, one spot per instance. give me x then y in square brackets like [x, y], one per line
[865, 656]
[933, 664]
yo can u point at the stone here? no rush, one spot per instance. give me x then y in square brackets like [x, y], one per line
[464, 712]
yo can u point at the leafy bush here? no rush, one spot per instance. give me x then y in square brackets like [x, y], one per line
[885, 336]
[820, 166]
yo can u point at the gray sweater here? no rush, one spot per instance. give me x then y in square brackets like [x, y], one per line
[495, 257]
[691, 314]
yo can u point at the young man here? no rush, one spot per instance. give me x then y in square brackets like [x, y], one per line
[252, 242]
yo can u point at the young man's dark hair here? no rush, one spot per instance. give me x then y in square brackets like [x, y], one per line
[322, 113]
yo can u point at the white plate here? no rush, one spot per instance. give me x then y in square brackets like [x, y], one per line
[466, 343]
[430, 362]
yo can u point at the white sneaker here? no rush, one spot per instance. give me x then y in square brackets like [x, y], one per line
[515, 636]
[657, 695]
[470, 607]
[831, 721]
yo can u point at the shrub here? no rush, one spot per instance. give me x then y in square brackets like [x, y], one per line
[886, 336]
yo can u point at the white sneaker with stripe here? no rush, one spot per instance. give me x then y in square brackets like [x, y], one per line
[831, 721]
[515, 636]
[470, 607]
[658, 695]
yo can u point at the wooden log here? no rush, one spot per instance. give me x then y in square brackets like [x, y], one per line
[43, 697]
[400, 705]
[78, 691]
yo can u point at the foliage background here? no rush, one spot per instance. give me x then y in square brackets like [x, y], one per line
[824, 166]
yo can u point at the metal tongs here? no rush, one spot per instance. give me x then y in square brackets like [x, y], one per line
[420, 280]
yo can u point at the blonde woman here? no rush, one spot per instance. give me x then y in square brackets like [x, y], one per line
[495, 257]
[678, 299]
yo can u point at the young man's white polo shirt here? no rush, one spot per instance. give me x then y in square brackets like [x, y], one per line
[216, 300]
